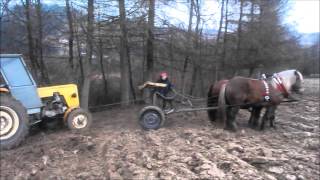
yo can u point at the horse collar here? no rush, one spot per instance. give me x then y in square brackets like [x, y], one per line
[266, 94]
[280, 86]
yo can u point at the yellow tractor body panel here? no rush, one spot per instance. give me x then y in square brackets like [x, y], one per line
[68, 91]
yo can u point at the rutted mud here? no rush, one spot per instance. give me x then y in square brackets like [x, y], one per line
[188, 147]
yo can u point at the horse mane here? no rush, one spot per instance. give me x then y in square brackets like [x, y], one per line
[299, 75]
[289, 71]
[294, 72]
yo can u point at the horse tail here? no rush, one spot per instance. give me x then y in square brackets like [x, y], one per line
[211, 102]
[222, 105]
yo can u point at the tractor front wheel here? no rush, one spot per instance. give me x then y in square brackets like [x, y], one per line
[79, 120]
[13, 122]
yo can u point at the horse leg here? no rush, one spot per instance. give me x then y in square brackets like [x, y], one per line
[256, 116]
[272, 116]
[231, 118]
[250, 122]
[252, 116]
[212, 113]
[267, 116]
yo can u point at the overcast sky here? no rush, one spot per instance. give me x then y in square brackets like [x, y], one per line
[304, 15]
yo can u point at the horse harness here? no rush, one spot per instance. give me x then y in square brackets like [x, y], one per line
[266, 93]
[279, 86]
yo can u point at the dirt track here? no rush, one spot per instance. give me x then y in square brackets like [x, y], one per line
[188, 147]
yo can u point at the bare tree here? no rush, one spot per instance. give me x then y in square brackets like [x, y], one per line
[217, 47]
[87, 64]
[34, 63]
[224, 50]
[124, 84]
[71, 33]
[239, 32]
[101, 55]
[80, 59]
[197, 47]
[43, 68]
[188, 47]
[150, 39]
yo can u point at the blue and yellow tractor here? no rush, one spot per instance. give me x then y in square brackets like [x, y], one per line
[23, 104]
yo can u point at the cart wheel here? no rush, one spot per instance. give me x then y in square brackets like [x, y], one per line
[151, 117]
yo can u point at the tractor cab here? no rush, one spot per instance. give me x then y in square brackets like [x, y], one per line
[18, 80]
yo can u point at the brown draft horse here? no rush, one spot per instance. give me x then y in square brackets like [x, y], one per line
[244, 93]
[213, 97]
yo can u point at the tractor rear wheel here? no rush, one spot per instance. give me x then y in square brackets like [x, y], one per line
[79, 120]
[13, 122]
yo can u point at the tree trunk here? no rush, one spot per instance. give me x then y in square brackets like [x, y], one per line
[124, 84]
[144, 58]
[216, 50]
[252, 11]
[124, 49]
[220, 23]
[43, 68]
[188, 47]
[150, 39]
[133, 93]
[87, 64]
[32, 57]
[100, 49]
[102, 68]
[239, 32]
[224, 51]
[171, 55]
[202, 93]
[80, 57]
[251, 71]
[71, 33]
[196, 66]
[194, 79]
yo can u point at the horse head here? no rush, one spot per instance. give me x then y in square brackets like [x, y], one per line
[297, 87]
[292, 81]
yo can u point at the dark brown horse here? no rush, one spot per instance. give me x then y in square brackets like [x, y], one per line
[212, 100]
[243, 93]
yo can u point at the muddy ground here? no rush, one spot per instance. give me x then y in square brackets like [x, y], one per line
[187, 147]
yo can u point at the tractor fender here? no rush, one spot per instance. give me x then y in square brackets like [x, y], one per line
[4, 90]
[65, 116]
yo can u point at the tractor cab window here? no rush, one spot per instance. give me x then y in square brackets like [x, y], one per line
[15, 72]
